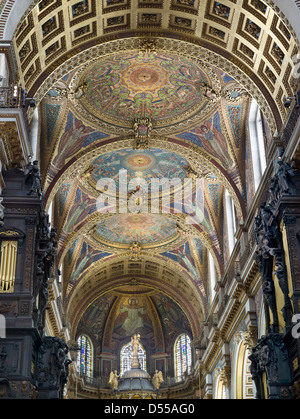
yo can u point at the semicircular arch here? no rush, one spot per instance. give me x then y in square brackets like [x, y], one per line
[87, 291]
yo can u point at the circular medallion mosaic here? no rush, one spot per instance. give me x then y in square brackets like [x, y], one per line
[141, 161]
[145, 77]
[162, 87]
[123, 166]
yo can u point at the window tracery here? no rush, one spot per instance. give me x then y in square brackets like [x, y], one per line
[183, 356]
[126, 358]
[84, 357]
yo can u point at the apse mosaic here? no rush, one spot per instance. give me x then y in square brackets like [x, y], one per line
[158, 86]
[173, 319]
[93, 319]
[133, 318]
[142, 228]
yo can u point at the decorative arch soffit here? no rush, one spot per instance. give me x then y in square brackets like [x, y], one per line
[178, 287]
[228, 63]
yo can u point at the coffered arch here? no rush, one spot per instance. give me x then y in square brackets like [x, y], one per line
[54, 33]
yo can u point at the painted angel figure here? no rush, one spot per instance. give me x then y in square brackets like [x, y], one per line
[113, 380]
[214, 141]
[135, 251]
[157, 379]
[72, 140]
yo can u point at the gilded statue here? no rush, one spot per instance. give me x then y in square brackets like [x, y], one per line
[157, 379]
[135, 342]
[113, 380]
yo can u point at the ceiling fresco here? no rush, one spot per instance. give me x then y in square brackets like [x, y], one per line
[82, 132]
[190, 114]
[146, 229]
[162, 87]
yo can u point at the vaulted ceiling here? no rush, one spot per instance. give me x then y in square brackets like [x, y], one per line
[191, 68]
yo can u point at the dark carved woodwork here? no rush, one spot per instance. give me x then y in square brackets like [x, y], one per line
[270, 363]
[271, 357]
[270, 248]
[34, 179]
[26, 354]
[292, 122]
[52, 367]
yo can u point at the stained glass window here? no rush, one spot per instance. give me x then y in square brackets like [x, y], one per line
[126, 358]
[183, 356]
[84, 357]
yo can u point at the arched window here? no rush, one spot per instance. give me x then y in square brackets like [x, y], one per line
[212, 276]
[126, 358]
[183, 356]
[84, 357]
[257, 143]
[231, 224]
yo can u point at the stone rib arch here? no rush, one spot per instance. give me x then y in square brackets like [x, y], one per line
[146, 257]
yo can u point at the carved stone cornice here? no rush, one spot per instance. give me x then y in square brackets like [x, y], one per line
[250, 336]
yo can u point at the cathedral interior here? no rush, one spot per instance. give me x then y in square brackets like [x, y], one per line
[150, 199]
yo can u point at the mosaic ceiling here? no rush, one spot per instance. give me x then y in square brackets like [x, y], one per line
[154, 315]
[81, 138]
[217, 128]
[163, 87]
[147, 164]
[159, 90]
[145, 229]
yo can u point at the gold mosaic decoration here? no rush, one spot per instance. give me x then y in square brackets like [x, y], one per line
[52, 28]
